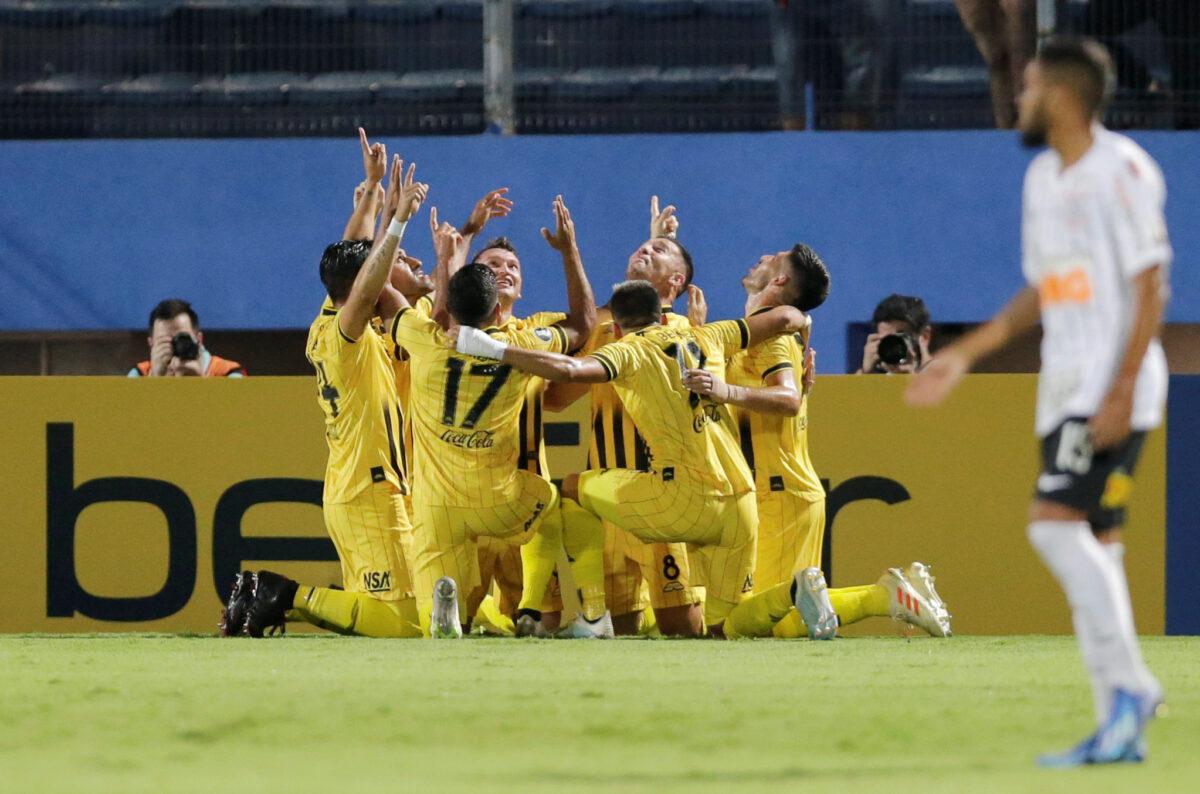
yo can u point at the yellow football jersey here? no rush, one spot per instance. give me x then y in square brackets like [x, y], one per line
[616, 442]
[775, 447]
[682, 429]
[465, 411]
[400, 365]
[364, 423]
[533, 442]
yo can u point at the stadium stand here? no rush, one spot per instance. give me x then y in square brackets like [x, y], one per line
[140, 68]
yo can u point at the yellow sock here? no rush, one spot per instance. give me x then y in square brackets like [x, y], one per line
[583, 537]
[649, 626]
[538, 558]
[758, 614]
[492, 620]
[357, 613]
[852, 604]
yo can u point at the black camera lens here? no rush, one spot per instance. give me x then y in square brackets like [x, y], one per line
[184, 347]
[894, 349]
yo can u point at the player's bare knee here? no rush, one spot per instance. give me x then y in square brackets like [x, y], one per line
[682, 621]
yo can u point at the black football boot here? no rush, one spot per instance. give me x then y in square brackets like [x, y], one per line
[233, 616]
[273, 596]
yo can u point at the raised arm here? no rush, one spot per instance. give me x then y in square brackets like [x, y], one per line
[494, 205]
[361, 225]
[404, 198]
[581, 303]
[450, 247]
[778, 395]
[934, 383]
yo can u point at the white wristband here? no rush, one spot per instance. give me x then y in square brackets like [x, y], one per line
[473, 342]
[396, 228]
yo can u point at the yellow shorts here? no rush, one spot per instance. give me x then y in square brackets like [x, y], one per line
[639, 574]
[720, 531]
[368, 535]
[444, 536]
[791, 534]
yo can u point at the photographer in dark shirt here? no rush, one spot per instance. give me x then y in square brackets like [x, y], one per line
[177, 346]
[900, 341]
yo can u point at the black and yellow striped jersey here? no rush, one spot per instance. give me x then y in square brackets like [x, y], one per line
[616, 442]
[775, 446]
[682, 430]
[532, 439]
[364, 422]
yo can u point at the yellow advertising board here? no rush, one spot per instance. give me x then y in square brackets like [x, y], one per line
[128, 504]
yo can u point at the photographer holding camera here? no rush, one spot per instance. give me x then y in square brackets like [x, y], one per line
[177, 346]
[900, 342]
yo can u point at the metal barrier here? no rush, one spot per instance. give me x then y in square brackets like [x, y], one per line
[130, 68]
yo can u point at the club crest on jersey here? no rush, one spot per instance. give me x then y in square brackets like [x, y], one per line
[377, 581]
[543, 334]
[478, 439]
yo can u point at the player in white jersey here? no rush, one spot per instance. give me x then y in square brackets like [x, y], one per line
[1095, 255]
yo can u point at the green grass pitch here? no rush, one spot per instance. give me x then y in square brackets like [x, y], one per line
[129, 713]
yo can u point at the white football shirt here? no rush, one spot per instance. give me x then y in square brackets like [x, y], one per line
[1086, 233]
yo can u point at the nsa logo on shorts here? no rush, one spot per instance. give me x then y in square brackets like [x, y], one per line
[377, 581]
[543, 334]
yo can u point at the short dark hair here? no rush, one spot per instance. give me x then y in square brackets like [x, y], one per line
[689, 269]
[340, 265]
[503, 243]
[635, 304]
[902, 309]
[812, 277]
[1084, 65]
[171, 308]
[472, 295]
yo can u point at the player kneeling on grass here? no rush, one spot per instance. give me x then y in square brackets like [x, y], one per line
[772, 417]
[466, 429]
[699, 489]
[362, 504]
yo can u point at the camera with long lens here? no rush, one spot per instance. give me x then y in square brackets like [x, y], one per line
[897, 349]
[184, 347]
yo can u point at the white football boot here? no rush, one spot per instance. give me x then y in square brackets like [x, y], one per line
[812, 602]
[583, 629]
[910, 606]
[921, 579]
[443, 621]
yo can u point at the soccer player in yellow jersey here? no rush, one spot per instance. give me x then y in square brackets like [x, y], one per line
[364, 476]
[772, 417]
[466, 480]
[639, 574]
[697, 488]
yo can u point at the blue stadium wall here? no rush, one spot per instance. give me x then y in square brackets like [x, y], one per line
[92, 234]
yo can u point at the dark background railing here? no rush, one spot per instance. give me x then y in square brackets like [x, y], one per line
[137, 68]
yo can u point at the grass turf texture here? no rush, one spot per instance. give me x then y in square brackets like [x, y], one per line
[318, 713]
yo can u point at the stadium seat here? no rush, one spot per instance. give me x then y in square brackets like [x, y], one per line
[59, 89]
[656, 9]
[599, 85]
[166, 90]
[434, 87]
[252, 88]
[340, 88]
[564, 9]
[686, 83]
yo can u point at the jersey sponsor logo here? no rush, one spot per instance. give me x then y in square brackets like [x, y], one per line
[377, 581]
[710, 413]
[1071, 288]
[478, 439]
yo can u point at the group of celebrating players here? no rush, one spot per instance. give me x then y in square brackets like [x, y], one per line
[699, 514]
